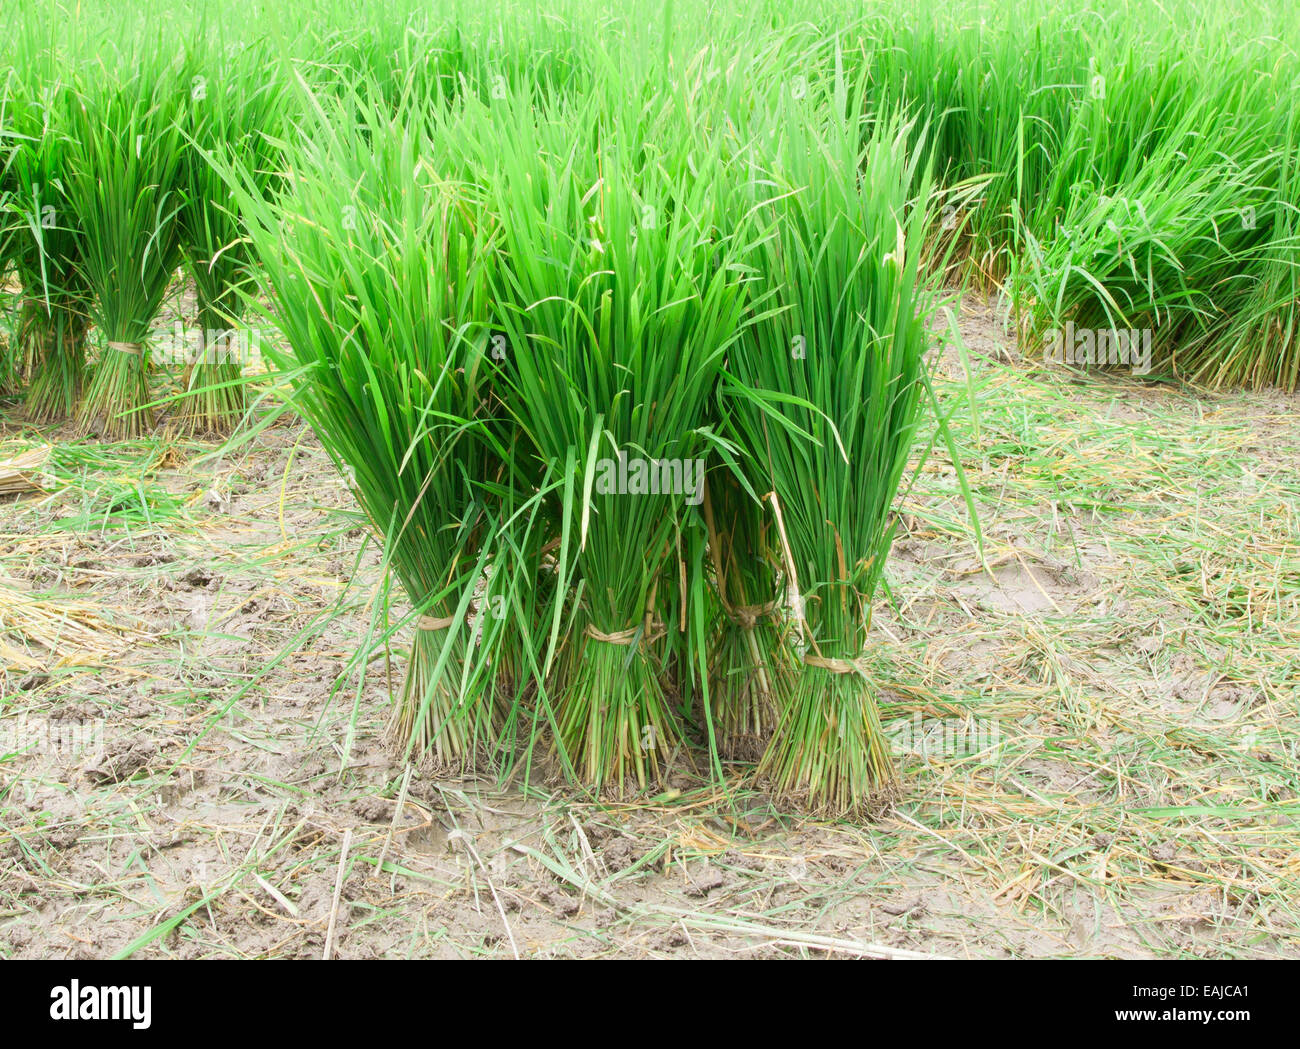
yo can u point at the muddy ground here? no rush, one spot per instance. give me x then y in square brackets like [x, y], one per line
[188, 759]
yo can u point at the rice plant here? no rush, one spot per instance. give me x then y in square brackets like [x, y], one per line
[1155, 251]
[1260, 343]
[124, 164]
[617, 301]
[234, 107]
[377, 271]
[44, 244]
[822, 394]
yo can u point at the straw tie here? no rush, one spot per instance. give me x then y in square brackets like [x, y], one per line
[132, 349]
[747, 616]
[626, 637]
[434, 622]
[835, 666]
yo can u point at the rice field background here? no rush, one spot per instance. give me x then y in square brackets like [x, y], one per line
[333, 620]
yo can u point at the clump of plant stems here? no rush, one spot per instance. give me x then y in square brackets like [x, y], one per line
[618, 304]
[516, 355]
[233, 107]
[124, 163]
[377, 268]
[750, 662]
[822, 394]
[44, 244]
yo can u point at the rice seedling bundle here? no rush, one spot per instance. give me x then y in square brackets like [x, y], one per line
[750, 660]
[44, 244]
[822, 394]
[234, 106]
[1157, 250]
[618, 300]
[1260, 343]
[377, 269]
[124, 167]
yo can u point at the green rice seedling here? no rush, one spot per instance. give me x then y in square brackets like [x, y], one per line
[1154, 252]
[234, 107]
[376, 267]
[617, 301]
[822, 395]
[750, 664]
[124, 162]
[994, 99]
[1260, 345]
[44, 244]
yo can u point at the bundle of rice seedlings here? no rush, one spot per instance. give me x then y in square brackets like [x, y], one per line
[44, 244]
[233, 108]
[52, 327]
[822, 394]
[123, 170]
[376, 267]
[1261, 344]
[1155, 259]
[749, 660]
[618, 302]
